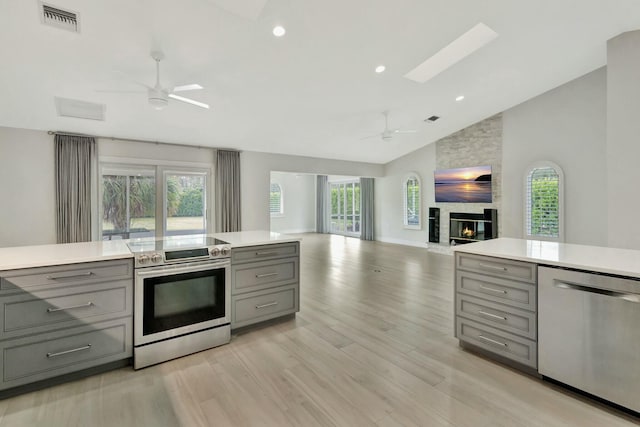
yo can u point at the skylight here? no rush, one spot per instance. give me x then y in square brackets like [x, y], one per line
[454, 52]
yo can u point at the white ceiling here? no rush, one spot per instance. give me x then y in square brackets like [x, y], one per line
[312, 92]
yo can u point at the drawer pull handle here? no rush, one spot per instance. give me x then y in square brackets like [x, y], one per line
[53, 310]
[491, 315]
[489, 340]
[498, 291]
[493, 267]
[269, 304]
[260, 276]
[70, 276]
[266, 253]
[73, 350]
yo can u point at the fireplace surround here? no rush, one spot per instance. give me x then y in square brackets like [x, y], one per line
[473, 227]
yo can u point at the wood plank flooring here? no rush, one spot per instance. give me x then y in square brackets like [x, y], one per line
[372, 346]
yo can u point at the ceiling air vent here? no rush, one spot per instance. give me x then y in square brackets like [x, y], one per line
[79, 109]
[431, 119]
[59, 18]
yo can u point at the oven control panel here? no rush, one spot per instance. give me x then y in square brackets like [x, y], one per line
[178, 249]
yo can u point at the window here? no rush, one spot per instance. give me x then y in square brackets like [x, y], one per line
[275, 200]
[411, 202]
[128, 203]
[185, 203]
[543, 194]
[149, 201]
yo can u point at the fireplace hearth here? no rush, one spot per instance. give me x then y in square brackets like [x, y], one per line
[473, 227]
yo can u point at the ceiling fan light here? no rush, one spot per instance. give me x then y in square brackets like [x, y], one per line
[158, 103]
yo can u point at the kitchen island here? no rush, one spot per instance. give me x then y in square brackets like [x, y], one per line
[565, 312]
[67, 310]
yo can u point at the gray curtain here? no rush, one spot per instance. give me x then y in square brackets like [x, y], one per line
[322, 203]
[74, 156]
[366, 210]
[228, 191]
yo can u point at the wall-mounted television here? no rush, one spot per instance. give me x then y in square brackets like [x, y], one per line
[463, 185]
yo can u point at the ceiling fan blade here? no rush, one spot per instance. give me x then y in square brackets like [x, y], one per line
[405, 131]
[377, 135]
[120, 91]
[183, 88]
[189, 101]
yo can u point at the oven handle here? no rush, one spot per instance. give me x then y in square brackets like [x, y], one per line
[186, 268]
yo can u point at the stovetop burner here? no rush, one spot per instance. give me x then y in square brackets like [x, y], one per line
[171, 243]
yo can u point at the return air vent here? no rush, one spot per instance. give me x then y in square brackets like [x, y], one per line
[80, 109]
[59, 18]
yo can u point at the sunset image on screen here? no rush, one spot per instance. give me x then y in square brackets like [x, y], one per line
[464, 185]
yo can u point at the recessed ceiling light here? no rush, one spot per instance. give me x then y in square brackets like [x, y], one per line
[454, 52]
[459, 98]
[279, 31]
[380, 69]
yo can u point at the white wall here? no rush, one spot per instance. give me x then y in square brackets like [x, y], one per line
[299, 203]
[566, 126]
[255, 169]
[27, 186]
[389, 225]
[623, 147]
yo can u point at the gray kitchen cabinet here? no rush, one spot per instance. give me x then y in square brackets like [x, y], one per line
[496, 307]
[265, 282]
[59, 320]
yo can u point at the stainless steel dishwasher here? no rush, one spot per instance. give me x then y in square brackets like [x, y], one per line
[589, 333]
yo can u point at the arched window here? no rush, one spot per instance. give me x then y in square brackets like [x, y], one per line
[275, 200]
[544, 210]
[411, 212]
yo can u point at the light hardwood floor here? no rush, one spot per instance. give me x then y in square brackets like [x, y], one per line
[371, 346]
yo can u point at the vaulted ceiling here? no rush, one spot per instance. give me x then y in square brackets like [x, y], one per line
[312, 92]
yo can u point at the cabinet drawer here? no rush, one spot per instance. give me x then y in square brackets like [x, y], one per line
[258, 253]
[28, 313]
[502, 343]
[37, 357]
[509, 319]
[259, 306]
[498, 267]
[509, 292]
[260, 275]
[66, 275]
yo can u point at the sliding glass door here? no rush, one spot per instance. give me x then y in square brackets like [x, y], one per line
[152, 201]
[345, 207]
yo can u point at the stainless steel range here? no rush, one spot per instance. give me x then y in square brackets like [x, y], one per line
[182, 297]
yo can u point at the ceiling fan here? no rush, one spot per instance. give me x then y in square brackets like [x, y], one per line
[388, 134]
[158, 96]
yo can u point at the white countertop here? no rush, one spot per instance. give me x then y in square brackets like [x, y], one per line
[68, 253]
[13, 258]
[254, 238]
[624, 262]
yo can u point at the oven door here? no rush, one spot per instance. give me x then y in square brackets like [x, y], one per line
[180, 299]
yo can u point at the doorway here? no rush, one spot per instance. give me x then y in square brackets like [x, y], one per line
[345, 207]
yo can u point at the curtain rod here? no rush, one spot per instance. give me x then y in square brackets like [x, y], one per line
[146, 141]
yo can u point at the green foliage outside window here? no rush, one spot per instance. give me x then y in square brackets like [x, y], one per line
[544, 199]
[184, 198]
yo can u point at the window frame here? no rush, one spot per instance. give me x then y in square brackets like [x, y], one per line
[159, 169]
[281, 211]
[527, 198]
[405, 218]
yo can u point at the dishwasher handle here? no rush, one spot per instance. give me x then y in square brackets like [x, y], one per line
[614, 294]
